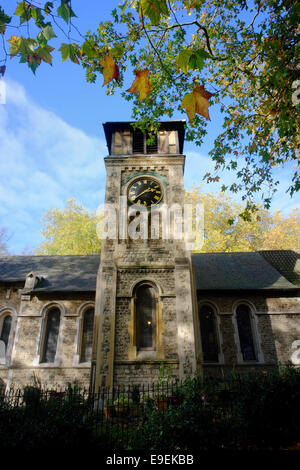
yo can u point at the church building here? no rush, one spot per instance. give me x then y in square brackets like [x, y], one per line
[148, 301]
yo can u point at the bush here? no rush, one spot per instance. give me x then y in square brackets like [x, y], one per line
[48, 421]
[258, 410]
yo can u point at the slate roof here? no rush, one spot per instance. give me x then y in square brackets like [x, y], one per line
[61, 273]
[213, 271]
[287, 262]
[236, 271]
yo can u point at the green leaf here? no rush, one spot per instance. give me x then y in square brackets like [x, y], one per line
[65, 11]
[69, 51]
[44, 53]
[183, 59]
[48, 32]
[89, 49]
[24, 11]
[117, 51]
[188, 59]
[4, 20]
[20, 10]
[153, 9]
[123, 7]
[47, 7]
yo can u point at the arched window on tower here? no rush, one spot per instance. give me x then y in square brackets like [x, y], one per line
[87, 335]
[145, 313]
[51, 335]
[244, 324]
[209, 339]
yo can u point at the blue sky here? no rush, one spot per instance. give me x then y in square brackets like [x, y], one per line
[52, 142]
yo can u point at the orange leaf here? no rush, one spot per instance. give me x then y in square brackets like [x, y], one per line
[141, 84]
[110, 69]
[197, 102]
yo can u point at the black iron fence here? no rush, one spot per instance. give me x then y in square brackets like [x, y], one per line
[113, 414]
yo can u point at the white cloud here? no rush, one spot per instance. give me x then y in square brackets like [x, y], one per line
[43, 162]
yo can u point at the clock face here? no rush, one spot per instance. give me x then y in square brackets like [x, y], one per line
[145, 191]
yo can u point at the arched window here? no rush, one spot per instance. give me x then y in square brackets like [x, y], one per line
[5, 329]
[87, 335]
[51, 335]
[244, 324]
[145, 308]
[209, 337]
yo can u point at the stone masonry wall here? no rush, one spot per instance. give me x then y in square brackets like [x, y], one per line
[24, 363]
[277, 324]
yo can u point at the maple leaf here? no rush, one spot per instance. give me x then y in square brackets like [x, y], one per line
[141, 84]
[197, 102]
[15, 44]
[110, 69]
[153, 9]
[44, 53]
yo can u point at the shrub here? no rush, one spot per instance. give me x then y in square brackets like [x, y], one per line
[259, 410]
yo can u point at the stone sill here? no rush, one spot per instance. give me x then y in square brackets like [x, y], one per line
[147, 361]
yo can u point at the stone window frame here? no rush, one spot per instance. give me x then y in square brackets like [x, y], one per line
[158, 352]
[255, 333]
[4, 312]
[216, 311]
[80, 320]
[43, 327]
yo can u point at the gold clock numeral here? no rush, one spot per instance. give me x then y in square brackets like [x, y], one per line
[156, 197]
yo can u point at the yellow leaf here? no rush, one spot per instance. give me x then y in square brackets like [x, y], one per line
[141, 84]
[15, 44]
[189, 104]
[110, 69]
[197, 102]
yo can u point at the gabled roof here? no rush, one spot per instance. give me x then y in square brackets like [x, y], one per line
[213, 271]
[236, 271]
[69, 273]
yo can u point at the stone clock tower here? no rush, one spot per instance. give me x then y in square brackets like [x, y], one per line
[145, 312]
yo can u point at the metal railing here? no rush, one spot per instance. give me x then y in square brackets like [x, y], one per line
[112, 413]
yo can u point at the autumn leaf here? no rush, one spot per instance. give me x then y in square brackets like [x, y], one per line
[15, 44]
[197, 102]
[45, 53]
[110, 69]
[141, 84]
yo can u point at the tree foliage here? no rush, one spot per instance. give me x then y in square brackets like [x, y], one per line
[70, 231]
[187, 54]
[225, 229]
